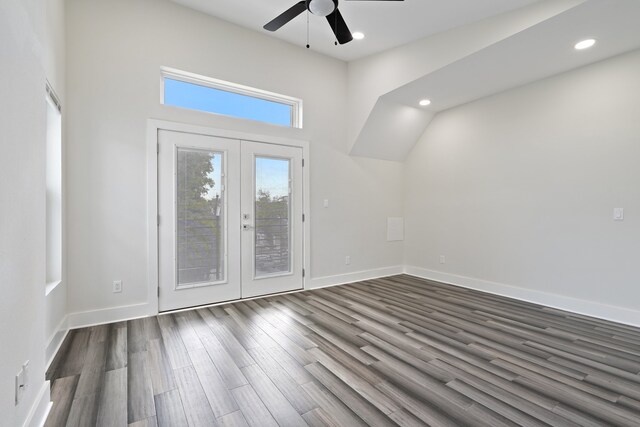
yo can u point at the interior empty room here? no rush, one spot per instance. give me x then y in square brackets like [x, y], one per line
[319, 212]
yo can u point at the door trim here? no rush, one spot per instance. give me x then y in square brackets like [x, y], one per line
[153, 127]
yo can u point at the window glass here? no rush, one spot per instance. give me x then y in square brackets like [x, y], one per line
[230, 100]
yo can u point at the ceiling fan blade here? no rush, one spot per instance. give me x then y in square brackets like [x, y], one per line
[286, 16]
[339, 27]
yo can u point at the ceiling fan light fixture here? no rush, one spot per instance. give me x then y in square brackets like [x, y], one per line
[358, 35]
[322, 7]
[425, 102]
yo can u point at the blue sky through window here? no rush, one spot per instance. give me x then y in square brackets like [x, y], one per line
[196, 97]
[272, 176]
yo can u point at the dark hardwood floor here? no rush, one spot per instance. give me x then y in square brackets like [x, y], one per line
[383, 352]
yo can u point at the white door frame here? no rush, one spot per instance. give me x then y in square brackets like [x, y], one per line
[155, 125]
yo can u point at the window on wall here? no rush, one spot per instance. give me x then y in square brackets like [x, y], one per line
[194, 92]
[54, 191]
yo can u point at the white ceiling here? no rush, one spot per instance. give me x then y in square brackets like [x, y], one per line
[385, 24]
[541, 51]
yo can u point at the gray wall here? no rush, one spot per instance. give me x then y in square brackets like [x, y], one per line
[519, 189]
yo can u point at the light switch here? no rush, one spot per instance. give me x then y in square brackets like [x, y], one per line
[618, 214]
[326, 203]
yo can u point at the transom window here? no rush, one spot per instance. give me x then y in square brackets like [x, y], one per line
[195, 92]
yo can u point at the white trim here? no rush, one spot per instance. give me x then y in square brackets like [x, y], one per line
[51, 287]
[200, 80]
[588, 308]
[109, 315]
[341, 279]
[155, 125]
[40, 410]
[152, 216]
[56, 340]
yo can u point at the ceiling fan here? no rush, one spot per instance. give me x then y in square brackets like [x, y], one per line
[326, 8]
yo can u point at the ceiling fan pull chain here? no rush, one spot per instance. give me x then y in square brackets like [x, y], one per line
[308, 46]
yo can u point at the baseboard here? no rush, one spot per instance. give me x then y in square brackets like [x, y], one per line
[136, 311]
[108, 315]
[574, 305]
[341, 279]
[41, 407]
[56, 341]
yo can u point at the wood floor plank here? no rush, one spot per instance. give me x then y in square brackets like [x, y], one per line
[234, 419]
[318, 418]
[358, 404]
[253, 409]
[229, 371]
[194, 400]
[281, 409]
[162, 377]
[140, 402]
[112, 410]
[62, 394]
[333, 407]
[281, 379]
[84, 411]
[227, 339]
[73, 361]
[117, 348]
[170, 410]
[218, 395]
[174, 346]
[148, 422]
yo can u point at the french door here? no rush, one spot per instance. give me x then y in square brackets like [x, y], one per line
[230, 219]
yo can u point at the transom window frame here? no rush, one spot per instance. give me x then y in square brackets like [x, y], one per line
[210, 82]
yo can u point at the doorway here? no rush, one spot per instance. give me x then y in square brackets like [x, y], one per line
[230, 220]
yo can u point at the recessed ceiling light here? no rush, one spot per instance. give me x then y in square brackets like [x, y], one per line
[358, 35]
[585, 44]
[425, 102]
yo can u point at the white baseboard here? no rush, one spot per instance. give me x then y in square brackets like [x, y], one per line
[40, 409]
[574, 305]
[136, 311]
[108, 315]
[341, 279]
[56, 341]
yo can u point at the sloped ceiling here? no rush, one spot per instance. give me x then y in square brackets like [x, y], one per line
[395, 122]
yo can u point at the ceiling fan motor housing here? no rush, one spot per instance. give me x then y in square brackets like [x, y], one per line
[322, 7]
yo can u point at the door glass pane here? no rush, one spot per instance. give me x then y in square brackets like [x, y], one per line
[272, 217]
[199, 217]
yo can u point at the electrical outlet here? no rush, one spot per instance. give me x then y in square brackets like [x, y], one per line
[347, 260]
[117, 286]
[443, 259]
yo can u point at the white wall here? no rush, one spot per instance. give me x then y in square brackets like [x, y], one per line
[115, 50]
[519, 189]
[22, 205]
[55, 72]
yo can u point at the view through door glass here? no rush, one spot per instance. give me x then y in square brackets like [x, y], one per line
[272, 216]
[199, 217]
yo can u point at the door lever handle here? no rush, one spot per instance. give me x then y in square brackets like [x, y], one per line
[247, 226]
